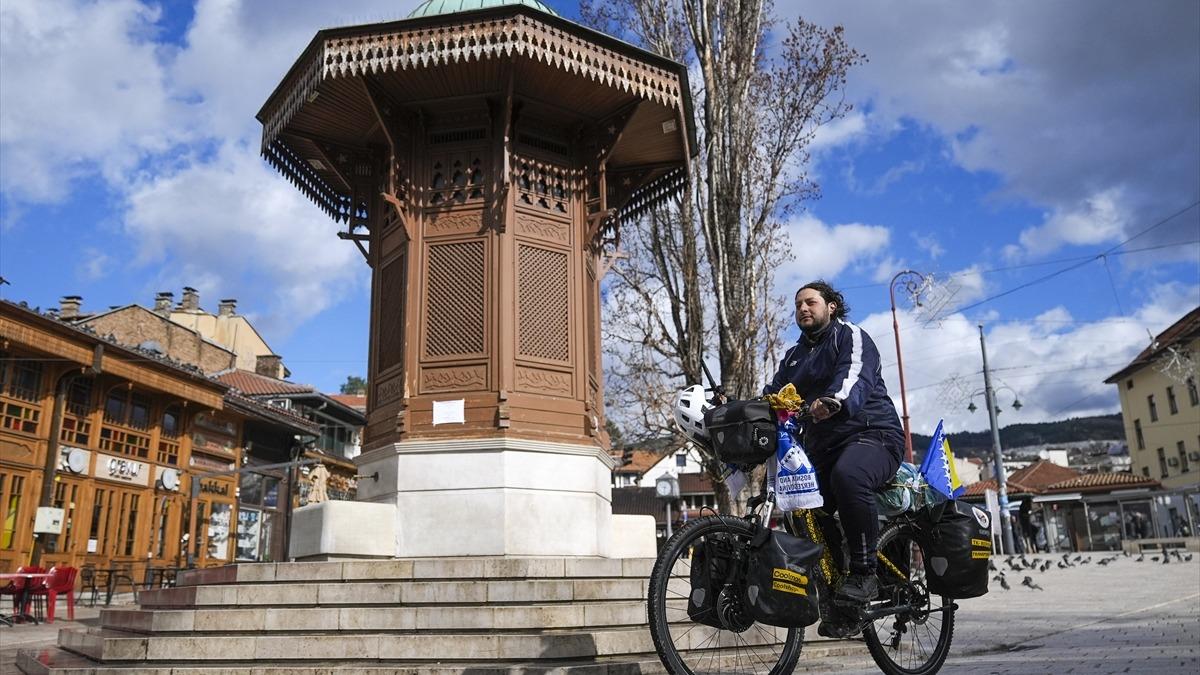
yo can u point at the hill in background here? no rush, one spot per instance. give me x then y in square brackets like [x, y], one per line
[979, 443]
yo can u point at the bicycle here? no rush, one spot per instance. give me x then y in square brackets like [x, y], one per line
[906, 630]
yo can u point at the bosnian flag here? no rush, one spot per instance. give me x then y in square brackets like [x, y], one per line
[938, 466]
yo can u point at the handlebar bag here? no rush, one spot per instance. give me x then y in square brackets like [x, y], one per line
[960, 543]
[780, 589]
[712, 569]
[742, 433]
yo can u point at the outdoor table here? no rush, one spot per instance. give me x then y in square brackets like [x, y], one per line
[112, 576]
[23, 597]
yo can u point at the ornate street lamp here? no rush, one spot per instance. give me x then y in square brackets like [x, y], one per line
[913, 283]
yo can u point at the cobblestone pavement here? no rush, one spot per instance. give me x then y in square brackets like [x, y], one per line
[1123, 617]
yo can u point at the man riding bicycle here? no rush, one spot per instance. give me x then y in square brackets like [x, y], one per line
[855, 441]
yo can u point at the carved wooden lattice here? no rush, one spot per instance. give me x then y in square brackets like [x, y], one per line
[391, 312]
[542, 298]
[542, 186]
[454, 299]
[456, 179]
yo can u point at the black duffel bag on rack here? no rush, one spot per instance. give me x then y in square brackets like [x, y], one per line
[960, 544]
[742, 433]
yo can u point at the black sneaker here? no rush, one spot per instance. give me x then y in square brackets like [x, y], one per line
[858, 589]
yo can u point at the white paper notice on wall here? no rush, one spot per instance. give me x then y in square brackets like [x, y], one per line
[448, 412]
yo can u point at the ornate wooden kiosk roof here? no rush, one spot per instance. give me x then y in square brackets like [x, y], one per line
[333, 94]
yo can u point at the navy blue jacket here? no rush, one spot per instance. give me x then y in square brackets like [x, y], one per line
[842, 362]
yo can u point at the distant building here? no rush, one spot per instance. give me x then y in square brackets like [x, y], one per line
[1162, 411]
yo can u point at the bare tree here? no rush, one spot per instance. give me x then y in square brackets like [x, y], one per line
[696, 274]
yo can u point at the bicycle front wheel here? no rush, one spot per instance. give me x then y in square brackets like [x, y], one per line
[916, 639]
[686, 646]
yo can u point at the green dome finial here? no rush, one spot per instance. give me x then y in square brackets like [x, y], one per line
[437, 7]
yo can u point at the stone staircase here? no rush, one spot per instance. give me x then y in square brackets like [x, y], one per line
[455, 615]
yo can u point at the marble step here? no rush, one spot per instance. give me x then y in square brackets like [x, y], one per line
[390, 618]
[415, 592]
[819, 657]
[107, 645]
[420, 569]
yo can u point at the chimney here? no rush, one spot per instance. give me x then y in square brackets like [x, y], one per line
[268, 365]
[163, 302]
[69, 306]
[191, 300]
[227, 307]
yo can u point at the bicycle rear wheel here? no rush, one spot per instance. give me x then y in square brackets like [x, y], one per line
[916, 640]
[688, 647]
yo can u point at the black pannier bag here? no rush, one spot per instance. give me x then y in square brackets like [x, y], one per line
[960, 543]
[712, 560]
[780, 589]
[742, 432]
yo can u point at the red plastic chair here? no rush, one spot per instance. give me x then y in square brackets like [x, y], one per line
[17, 585]
[60, 581]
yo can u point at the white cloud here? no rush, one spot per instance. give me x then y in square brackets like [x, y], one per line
[823, 251]
[84, 92]
[1085, 109]
[250, 234]
[1054, 363]
[929, 244]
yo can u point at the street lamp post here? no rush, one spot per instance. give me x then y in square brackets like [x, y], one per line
[914, 281]
[997, 455]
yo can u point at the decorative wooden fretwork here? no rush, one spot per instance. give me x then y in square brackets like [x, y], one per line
[456, 378]
[548, 382]
[75, 430]
[543, 186]
[433, 46]
[456, 179]
[454, 299]
[335, 204]
[392, 281]
[168, 452]
[124, 441]
[544, 318]
[19, 416]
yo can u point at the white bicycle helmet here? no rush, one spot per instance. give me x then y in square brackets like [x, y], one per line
[690, 405]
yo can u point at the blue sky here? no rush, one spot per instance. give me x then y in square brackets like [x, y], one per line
[1023, 136]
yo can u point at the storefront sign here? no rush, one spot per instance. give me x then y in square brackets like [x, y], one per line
[216, 424]
[122, 469]
[210, 463]
[212, 443]
[212, 487]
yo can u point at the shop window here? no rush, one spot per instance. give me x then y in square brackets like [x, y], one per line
[65, 494]
[25, 378]
[127, 520]
[164, 519]
[11, 488]
[1137, 431]
[1153, 408]
[79, 396]
[218, 531]
[1171, 403]
[98, 531]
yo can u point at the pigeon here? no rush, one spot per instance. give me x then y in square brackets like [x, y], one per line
[1187, 558]
[1140, 558]
[1153, 558]
[1004, 583]
[1166, 558]
[1178, 556]
[1045, 566]
[1028, 581]
[1103, 562]
[1085, 561]
[1078, 558]
[1063, 566]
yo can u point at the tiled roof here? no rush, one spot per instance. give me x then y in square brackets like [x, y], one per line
[695, 484]
[253, 384]
[1102, 482]
[640, 461]
[356, 401]
[977, 489]
[271, 413]
[1040, 475]
[1185, 328]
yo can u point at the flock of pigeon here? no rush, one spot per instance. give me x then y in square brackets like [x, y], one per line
[1022, 564]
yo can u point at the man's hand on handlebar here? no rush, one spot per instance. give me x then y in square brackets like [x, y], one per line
[824, 408]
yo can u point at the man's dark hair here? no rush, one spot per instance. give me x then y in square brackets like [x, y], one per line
[830, 295]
